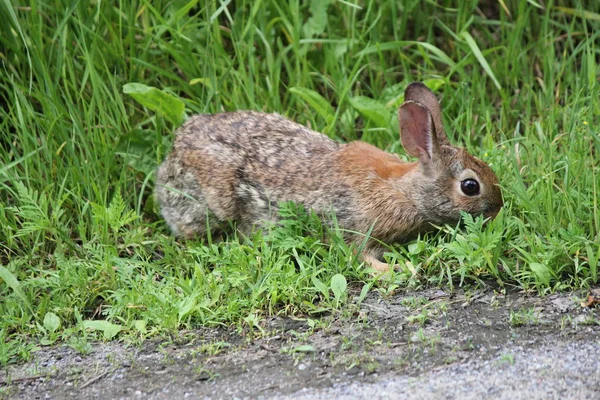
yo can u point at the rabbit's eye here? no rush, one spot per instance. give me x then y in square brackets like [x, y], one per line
[470, 187]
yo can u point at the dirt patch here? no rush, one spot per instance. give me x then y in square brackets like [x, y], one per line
[404, 336]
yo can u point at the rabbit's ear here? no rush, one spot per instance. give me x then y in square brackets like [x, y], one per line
[420, 93]
[417, 131]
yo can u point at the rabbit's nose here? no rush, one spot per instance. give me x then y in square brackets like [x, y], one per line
[495, 204]
[491, 214]
[493, 210]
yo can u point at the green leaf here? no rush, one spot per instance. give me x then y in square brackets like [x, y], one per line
[253, 321]
[316, 101]
[592, 16]
[338, 285]
[205, 81]
[321, 287]
[317, 23]
[186, 306]
[4, 168]
[482, 61]
[434, 83]
[304, 348]
[363, 293]
[416, 247]
[14, 284]
[140, 326]
[138, 147]
[109, 330]
[184, 10]
[165, 104]
[51, 322]
[593, 261]
[542, 272]
[373, 111]
[116, 216]
[398, 44]
[535, 4]
[220, 10]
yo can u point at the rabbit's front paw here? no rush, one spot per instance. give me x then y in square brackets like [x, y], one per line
[380, 268]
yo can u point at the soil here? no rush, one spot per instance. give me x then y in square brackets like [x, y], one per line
[424, 344]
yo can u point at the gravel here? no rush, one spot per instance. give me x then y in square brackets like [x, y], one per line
[552, 371]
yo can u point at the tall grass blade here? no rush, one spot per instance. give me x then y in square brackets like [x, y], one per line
[482, 61]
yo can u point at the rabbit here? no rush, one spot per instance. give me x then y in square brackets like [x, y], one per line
[238, 166]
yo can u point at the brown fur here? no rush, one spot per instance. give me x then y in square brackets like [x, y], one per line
[239, 166]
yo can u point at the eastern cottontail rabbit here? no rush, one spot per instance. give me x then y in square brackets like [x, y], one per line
[238, 166]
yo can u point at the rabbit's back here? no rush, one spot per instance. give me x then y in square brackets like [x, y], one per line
[238, 166]
[246, 133]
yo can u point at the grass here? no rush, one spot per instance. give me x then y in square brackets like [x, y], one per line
[524, 316]
[84, 254]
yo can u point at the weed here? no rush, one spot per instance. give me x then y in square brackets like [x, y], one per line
[212, 348]
[524, 316]
[590, 320]
[508, 359]
[420, 337]
[204, 374]
[421, 318]
[413, 303]
[565, 322]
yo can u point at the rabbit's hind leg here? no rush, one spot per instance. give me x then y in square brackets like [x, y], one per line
[182, 202]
